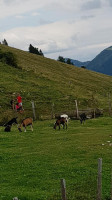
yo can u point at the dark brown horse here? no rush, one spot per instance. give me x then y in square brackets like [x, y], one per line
[26, 122]
[61, 121]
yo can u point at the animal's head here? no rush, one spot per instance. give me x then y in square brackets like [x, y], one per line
[15, 120]
[19, 129]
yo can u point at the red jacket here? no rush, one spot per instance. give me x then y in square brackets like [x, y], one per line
[19, 99]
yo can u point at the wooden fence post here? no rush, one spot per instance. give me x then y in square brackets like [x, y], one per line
[99, 181]
[94, 113]
[111, 186]
[33, 108]
[77, 111]
[63, 189]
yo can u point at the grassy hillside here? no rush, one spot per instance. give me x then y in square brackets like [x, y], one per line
[47, 81]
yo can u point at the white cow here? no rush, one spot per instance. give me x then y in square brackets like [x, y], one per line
[65, 116]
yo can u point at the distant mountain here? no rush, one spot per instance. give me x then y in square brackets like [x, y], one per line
[79, 63]
[102, 62]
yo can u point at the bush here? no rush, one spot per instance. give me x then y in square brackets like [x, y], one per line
[8, 58]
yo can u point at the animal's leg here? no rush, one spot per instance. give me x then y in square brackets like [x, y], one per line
[66, 125]
[31, 127]
[25, 129]
[81, 121]
[63, 126]
[59, 126]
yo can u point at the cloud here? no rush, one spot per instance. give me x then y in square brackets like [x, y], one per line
[19, 16]
[35, 14]
[93, 4]
[110, 2]
[86, 17]
[71, 28]
[15, 7]
[19, 7]
[9, 2]
[61, 36]
[47, 36]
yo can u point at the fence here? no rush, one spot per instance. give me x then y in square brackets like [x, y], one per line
[50, 110]
[72, 107]
[91, 188]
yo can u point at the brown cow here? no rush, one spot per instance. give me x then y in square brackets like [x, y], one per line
[60, 121]
[26, 122]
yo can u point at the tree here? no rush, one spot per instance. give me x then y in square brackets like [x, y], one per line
[41, 53]
[4, 42]
[83, 67]
[69, 61]
[65, 60]
[35, 50]
[61, 59]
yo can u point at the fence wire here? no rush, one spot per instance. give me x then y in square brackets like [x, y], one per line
[84, 186]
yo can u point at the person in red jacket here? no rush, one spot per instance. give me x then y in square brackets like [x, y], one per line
[19, 100]
[18, 108]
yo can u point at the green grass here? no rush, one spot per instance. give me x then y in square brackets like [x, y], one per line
[45, 80]
[32, 164]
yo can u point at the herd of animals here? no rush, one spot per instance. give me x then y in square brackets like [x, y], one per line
[62, 120]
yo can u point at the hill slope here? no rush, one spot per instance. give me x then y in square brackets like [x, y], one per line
[102, 62]
[47, 81]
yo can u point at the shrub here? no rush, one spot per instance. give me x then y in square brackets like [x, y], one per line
[8, 58]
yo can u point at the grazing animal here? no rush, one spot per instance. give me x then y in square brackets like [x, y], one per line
[59, 121]
[26, 122]
[65, 116]
[7, 128]
[11, 122]
[82, 117]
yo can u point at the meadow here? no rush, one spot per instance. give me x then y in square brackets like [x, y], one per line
[32, 163]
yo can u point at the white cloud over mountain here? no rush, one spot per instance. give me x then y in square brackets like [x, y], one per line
[71, 28]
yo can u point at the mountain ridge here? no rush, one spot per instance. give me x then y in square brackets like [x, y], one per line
[102, 63]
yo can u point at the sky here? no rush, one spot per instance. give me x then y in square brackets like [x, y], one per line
[76, 29]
